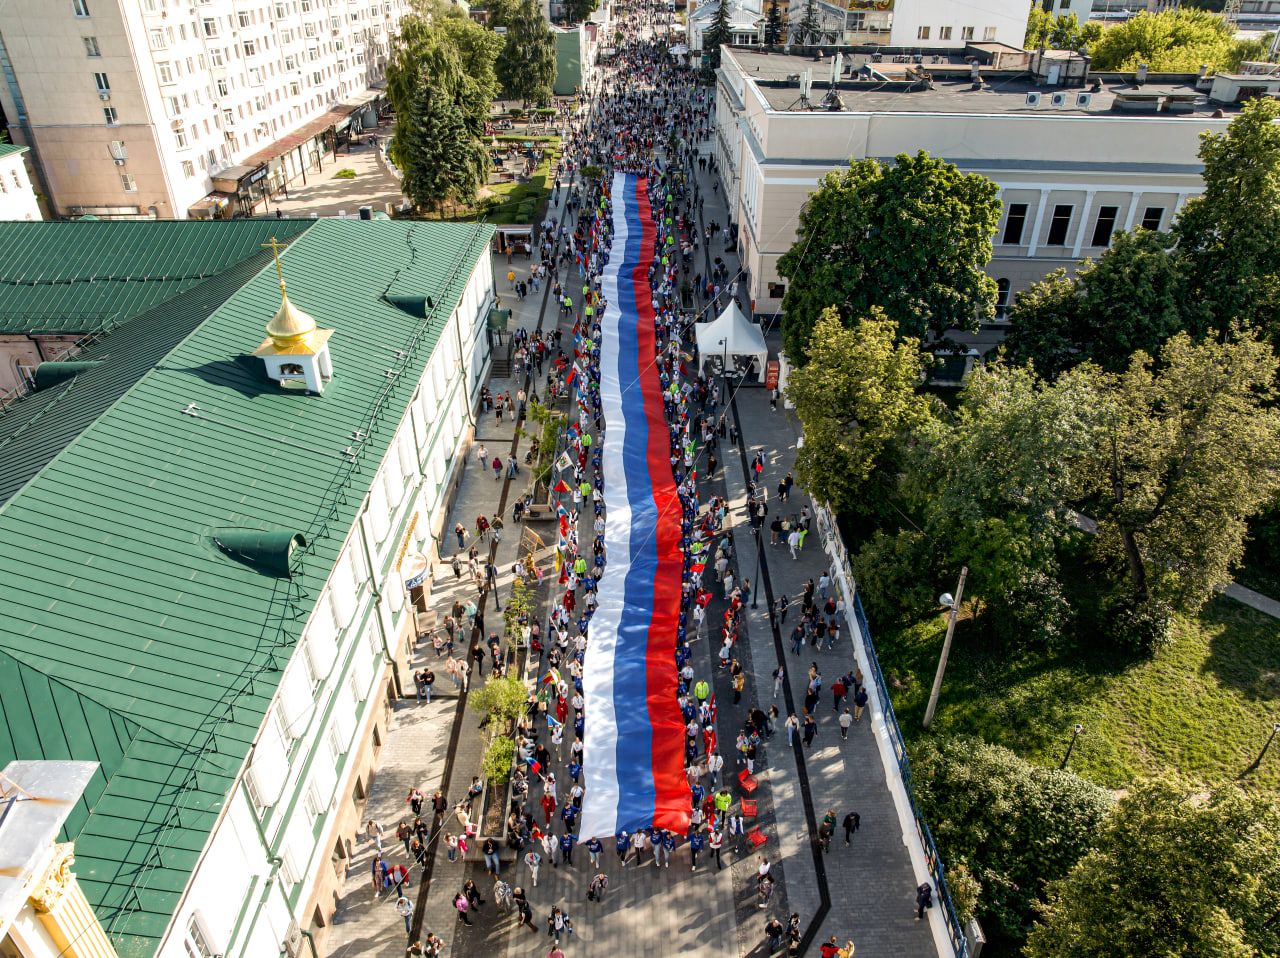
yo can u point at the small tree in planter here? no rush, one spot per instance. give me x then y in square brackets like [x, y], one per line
[503, 699]
[592, 174]
[519, 607]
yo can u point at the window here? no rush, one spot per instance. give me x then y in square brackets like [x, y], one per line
[922, 33]
[91, 48]
[1152, 218]
[1105, 225]
[181, 137]
[215, 57]
[118, 151]
[988, 33]
[777, 290]
[110, 115]
[245, 19]
[127, 183]
[172, 106]
[966, 33]
[80, 7]
[1059, 225]
[188, 168]
[250, 48]
[210, 25]
[104, 85]
[157, 39]
[1002, 298]
[197, 944]
[1014, 223]
[165, 70]
[251, 790]
[944, 33]
[224, 88]
[312, 805]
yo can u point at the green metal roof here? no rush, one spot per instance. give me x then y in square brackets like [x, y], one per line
[126, 635]
[73, 278]
[8, 149]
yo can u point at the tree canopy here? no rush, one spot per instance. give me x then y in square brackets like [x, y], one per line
[1171, 41]
[440, 161]
[1063, 32]
[1173, 872]
[1184, 451]
[526, 67]
[1015, 825]
[1132, 298]
[717, 34]
[912, 236]
[1230, 235]
[856, 396]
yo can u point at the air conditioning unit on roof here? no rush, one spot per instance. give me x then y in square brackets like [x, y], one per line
[1033, 99]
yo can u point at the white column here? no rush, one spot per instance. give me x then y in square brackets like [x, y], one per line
[1035, 227]
[1084, 223]
[1133, 211]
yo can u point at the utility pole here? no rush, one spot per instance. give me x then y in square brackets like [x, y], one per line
[946, 645]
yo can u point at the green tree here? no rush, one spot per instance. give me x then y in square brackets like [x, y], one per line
[439, 159]
[1182, 455]
[1174, 872]
[503, 698]
[1172, 41]
[808, 29]
[773, 28]
[526, 67]
[912, 236]
[1231, 234]
[856, 397]
[717, 34]
[443, 47]
[1015, 826]
[1131, 298]
[1063, 32]
[579, 10]
[991, 482]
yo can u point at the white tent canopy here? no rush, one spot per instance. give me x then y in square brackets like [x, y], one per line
[732, 334]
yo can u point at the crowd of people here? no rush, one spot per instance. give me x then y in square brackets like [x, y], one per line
[647, 116]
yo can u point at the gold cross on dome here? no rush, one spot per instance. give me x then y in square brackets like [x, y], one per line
[276, 246]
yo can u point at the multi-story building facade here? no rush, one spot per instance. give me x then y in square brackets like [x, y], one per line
[219, 608]
[175, 108]
[1074, 164]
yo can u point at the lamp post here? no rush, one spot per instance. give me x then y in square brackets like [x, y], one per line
[1075, 734]
[945, 600]
[1275, 728]
[755, 588]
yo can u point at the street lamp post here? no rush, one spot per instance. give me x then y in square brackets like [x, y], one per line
[954, 604]
[1275, 728]
[755, 587]
[1075, 734]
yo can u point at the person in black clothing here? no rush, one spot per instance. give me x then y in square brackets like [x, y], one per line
[851, 823]
[924, 899]
[773, 932]
[523, 911]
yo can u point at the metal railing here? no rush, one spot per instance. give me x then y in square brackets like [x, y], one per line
[834, 545]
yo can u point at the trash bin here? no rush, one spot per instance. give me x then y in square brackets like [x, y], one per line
[366, 212]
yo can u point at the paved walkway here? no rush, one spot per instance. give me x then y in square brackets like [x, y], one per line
[325, 194]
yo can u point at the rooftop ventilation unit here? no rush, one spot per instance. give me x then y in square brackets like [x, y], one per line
[1083, 100]
[1033, 99]
[1059, 100]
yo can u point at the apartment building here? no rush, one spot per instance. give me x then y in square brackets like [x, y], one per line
[1074, 163]
[214, 539]
[169, 109]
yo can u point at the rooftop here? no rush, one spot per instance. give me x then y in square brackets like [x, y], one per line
[126, 636]
[9, 149]
[73, 278]
[900, 87]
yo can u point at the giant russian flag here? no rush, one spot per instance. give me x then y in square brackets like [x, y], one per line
[633, 749]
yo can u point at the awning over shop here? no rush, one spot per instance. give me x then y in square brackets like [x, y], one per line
[210, 205]
[303, 134]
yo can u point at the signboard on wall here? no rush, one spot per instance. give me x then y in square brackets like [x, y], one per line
[870, 4]
[771, 374]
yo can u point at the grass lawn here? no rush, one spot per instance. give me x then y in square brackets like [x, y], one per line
[1202, 706]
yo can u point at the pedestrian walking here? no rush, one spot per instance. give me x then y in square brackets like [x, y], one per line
[599, 885]
[924, 899]
[852, 821]
[846, 720]
[810, 729]
[859, 703]
[524, 912]
[559, 924]
[533, 861]
[463, 906]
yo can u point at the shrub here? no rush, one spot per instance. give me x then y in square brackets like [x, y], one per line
[503, 698]
[1016, 825]
[1140, 627]
[894, 575]
[497, 761]
[345, 174]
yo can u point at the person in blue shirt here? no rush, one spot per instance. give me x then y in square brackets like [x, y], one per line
[567, 841]
[669, 845]
[575, 769]
[569, 814]
[623, 845]
[594, 848]
[697, 842]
